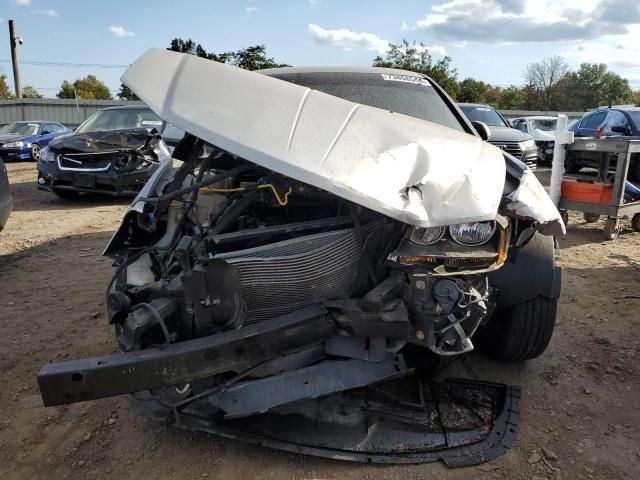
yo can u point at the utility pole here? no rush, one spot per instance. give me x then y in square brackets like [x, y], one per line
[14, 58]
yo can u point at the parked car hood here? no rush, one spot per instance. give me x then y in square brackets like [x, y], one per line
[507, 134]
[412, 170]
[92, 142]
[11, 137]
[542, 135]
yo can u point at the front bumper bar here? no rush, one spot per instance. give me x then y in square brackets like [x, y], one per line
[110, 182]
[178, 363]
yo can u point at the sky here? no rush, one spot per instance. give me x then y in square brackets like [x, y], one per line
[490, 40]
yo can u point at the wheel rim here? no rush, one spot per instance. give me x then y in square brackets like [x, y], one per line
[35, 151]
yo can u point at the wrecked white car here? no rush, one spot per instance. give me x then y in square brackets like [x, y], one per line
[543, 130]
[319, 235]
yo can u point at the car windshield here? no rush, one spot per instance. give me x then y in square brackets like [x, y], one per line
[118, 119]
[544, 125]
[22, 129]
[486, 115]
[409, 95]
[635, 116]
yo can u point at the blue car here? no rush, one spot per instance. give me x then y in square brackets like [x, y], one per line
[24, 140]
[611, 122]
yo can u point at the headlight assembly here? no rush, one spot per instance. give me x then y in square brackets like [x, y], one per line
[531, 143]
[13, 145]
[474, 233]
[427, 236]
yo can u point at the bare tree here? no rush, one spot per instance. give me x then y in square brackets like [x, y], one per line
[545, 76]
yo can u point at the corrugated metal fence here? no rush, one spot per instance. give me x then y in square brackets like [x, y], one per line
[67, 112]
[71, 114]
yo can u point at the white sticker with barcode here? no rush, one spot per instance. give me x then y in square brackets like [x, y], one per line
[395, 77]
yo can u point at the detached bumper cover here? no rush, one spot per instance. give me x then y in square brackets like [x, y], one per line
[459, 422]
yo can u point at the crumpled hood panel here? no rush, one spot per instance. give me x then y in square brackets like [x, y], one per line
[411, 170]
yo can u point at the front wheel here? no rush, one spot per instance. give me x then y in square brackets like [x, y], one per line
[34, 152]
[521, 332]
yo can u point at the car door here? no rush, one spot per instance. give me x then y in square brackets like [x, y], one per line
[587, 126]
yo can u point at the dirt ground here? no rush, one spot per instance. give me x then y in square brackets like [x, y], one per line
[579, 412]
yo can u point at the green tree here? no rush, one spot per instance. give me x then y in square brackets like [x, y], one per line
[192, 48]
[416, 58]
[252, 58]
[66, 90]
[5, 93]
[472, 91]
[636, 98]
[125, 93]
[493, 96]
[30, 92]
[596, 86]
[511, 98]
[88, 87]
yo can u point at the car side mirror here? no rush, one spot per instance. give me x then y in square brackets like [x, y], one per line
[482, 129]
[624, 130]
[45, 132]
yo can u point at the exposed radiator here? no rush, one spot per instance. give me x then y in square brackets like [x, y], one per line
[282, 277]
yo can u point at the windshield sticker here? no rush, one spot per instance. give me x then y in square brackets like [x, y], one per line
[151, 122]
[394, 77]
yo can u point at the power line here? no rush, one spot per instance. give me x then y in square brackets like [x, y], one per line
[67, 64]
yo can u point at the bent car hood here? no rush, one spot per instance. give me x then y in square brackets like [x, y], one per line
[94, 142]
[414, 171]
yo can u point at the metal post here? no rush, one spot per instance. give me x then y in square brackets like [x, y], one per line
[563, 137]
[14, 59]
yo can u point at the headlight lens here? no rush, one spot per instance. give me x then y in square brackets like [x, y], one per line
[427, 236]
[13, 145]
[44, 152]
[528, 143]
[474, 233]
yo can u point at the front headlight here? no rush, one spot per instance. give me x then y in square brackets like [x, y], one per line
[531, 143]
[427, 236]
[471, 234]
[14, 145]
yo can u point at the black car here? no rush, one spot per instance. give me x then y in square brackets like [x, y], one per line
[113, 152]
[606, 122]
[519, 144]
[6, 199]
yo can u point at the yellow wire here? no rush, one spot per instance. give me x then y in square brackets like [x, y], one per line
[280, 201]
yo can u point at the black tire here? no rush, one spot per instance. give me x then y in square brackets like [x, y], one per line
[591, 217]
[521, 332]
[635, 222]
[66, 194]
[34, 151]
[571, 165]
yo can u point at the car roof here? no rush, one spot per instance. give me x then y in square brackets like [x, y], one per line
[35, 121]
[127, 107]
[276, 71]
